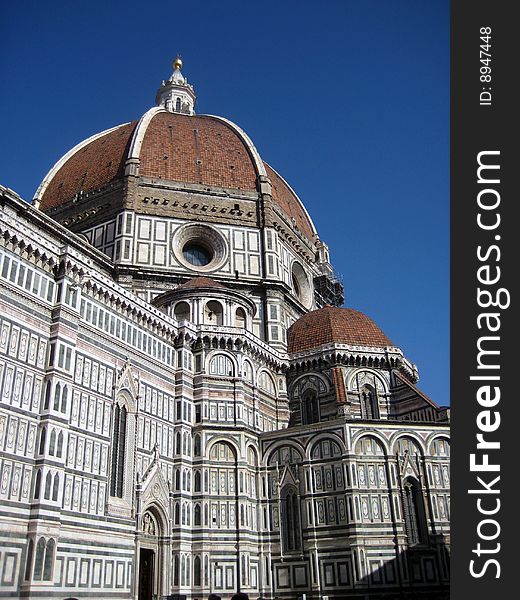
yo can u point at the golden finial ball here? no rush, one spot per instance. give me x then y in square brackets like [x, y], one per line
[177, 63]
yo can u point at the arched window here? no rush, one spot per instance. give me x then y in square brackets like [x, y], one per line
[176, 569]
[41, 447]
[177, 443]
[291, 536]
[57, 394]
[48, 483]
[177, 514]
[184, 514]
[64, 399]
[182, 311]
[197, 515]
[414, 514]
[177, 480]
[178, 105]
[240, 318]
[38, 562]
[310, 407]
[49, 561]
[196, 445]
[55, 487]
[220, 364]
[47, 395]
[59, 450]
[37, 484]
[197, 481]
[118, 450]
[369, 404]
[196, 570]
[213, 313]
[52, 443]
[28, 562]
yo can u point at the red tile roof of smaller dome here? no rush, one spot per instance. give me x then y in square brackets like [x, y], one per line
[201, 282]
[329, 325]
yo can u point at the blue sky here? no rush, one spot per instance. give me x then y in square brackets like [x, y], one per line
[348, 100]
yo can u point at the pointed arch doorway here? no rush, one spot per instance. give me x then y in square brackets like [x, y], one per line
[151, 555]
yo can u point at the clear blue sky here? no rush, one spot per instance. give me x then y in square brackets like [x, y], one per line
[348, 100]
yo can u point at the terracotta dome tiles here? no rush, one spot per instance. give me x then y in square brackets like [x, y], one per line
[92, 166]
[195, 149]
[186, 149]
[335, 325]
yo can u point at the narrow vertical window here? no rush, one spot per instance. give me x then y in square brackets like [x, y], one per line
[196, 571]
[48, 483]
[38, 484]
[38, 563]
[291, 521]
[55, 487]
[369, 404]
[118, 451]
[310, 408]
[414, 514]
[41, 448]
[49, 561]
[28, 563]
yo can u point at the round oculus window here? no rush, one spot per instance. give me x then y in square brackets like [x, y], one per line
[199, 247]
[197, 254]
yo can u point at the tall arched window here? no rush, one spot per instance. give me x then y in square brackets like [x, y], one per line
[197, 486]
[197, 515]
[57, 394]
[41, 447]
[176, 570]
[414, 514]
[369, 404]
[196, 571]
[28, 563]
[55, 487]
[178, 105]
[64, 399]
[47, 395]
[38, 484]
[196, 445]
[59, 450]
[310, 407]
[52, 443]
[118, 450]
[48, 483]
[177, 514]
[291, 535]
[48, 563]
[38, 562]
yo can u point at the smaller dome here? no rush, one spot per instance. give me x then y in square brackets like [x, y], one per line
[330, 325]
[201, 282]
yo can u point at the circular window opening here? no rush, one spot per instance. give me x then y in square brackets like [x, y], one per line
[197, 254]
[199, 247]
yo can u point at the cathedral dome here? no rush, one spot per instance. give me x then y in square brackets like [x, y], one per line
[169, 146]
[332, 325]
